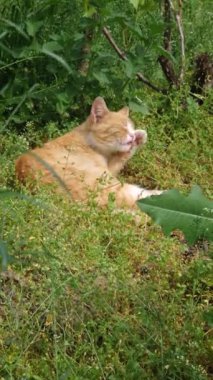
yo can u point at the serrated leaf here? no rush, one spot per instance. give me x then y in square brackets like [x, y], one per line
[192, 214]
[78, 36]
[167, 54]
[101, 77]
[141, 108]
[17, 27]
[134, 28]
[129, 69]
[117, 17]
[136, 3]
[33, 27]
[52, 46]
[90, 11]
[57, 58]
[7, 50]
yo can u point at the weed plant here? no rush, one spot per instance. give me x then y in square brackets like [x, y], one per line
[94, 294]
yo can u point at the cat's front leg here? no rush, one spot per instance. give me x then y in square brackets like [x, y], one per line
[140, 193]
[127, 195]
[117, 162]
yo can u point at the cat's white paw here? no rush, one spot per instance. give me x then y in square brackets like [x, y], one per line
[140, 137]
[148, 193]
[138, 192]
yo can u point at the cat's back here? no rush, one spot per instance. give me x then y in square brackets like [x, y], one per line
[66, 155]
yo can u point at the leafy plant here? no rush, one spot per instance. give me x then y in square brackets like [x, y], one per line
[116, 299]
[192, 214]
[4, 255]
[54, 57]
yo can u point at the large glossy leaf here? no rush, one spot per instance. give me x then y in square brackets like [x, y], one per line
[192, 214]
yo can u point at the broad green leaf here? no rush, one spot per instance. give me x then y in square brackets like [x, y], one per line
[192, 214]
[141, 108]
[17, 27]
[167, 54]
[7, 50]
[23, 99]
[129, 69]
[90, 11]
[101, 77]
[78, 36]
[117, 17]
[63, 102]
[136, 3]
[33, 27]
[3, 34]
[134, 28]
[57, 58]
[52, 46]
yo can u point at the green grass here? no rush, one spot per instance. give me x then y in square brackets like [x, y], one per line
[94, 294]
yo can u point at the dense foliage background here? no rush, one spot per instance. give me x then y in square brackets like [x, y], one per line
[55, 58]
[87, 293]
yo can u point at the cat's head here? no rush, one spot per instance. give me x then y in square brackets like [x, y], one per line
[112, 132]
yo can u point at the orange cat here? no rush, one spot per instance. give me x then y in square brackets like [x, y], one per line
[88, 158]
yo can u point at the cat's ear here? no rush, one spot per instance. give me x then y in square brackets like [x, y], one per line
[98, 110]
[125, 111]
